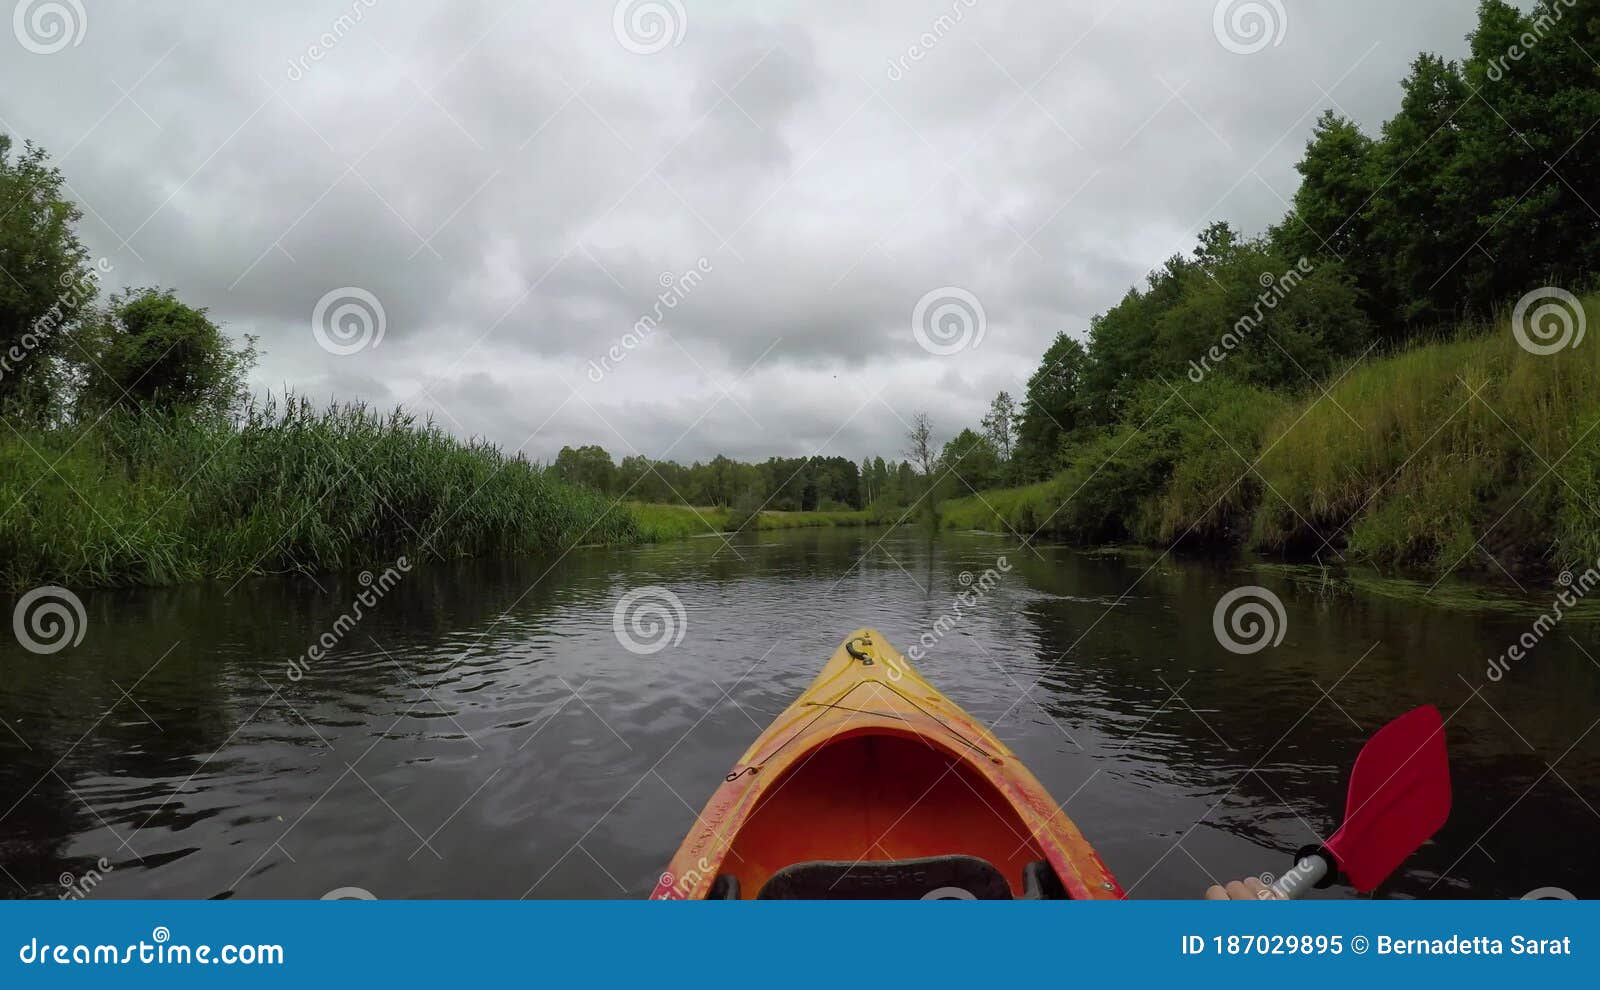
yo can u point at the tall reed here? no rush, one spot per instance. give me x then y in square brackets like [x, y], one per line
[139, 499]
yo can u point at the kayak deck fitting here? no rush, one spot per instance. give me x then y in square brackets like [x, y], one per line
[873, 785]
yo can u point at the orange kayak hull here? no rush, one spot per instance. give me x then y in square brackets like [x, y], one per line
[872, 764]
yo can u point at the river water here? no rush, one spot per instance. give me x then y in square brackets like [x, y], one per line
[483, 732]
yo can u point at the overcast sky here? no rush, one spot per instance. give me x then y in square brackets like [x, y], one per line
[514, 184]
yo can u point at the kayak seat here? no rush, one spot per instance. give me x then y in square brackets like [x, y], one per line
[934, 878]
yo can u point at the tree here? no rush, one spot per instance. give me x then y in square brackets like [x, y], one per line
[1054, 407]
[635, 476]
[1257, 316]
[1332, 215]
[921, 447]
[589, 465]
[149, 350]
[878, 482]
[922, 451]
[905, 483]
[972, 462]
[1536, 97]
[47, 281]
[721, 481]
[999, 425]
[1427, 215]
[1121, 341]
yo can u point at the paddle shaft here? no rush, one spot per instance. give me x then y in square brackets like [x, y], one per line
[1305, 874]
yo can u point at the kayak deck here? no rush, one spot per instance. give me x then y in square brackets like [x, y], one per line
[873, 784]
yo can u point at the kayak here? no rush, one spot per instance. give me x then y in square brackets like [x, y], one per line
[873, 785]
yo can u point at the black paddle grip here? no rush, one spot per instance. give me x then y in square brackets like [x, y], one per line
[1321, 851]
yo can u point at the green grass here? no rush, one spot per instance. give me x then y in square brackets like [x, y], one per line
[1450, 452]
[807, 520]
[658, 522]
[1470, 454]
[134, 500]
[1175, 471]
[1000, 509]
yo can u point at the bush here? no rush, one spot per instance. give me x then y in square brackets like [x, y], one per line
[1178, 468]
[151, 351]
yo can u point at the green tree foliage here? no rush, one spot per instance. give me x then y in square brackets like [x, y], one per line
[971, 463]
[1000, 425]
[784, 484]
[46, 282]
[149, 350]
[1424, 217]
[589, 466]
[1480, 187]
[1332, 215]
[1054, 406]
[1530, 147]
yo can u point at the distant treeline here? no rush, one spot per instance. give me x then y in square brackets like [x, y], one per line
[785, 484]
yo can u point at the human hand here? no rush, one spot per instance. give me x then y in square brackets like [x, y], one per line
[1248, 889]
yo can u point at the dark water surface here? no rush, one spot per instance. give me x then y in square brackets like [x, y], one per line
[483, 733]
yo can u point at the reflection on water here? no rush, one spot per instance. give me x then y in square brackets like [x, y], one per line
[482, 733]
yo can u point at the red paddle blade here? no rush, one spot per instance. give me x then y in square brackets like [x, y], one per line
[1399, 797]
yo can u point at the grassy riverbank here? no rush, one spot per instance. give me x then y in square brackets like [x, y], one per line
[1471, 454]
[150, 500]
[1466, 455]
[145, 500]
[658, 522]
